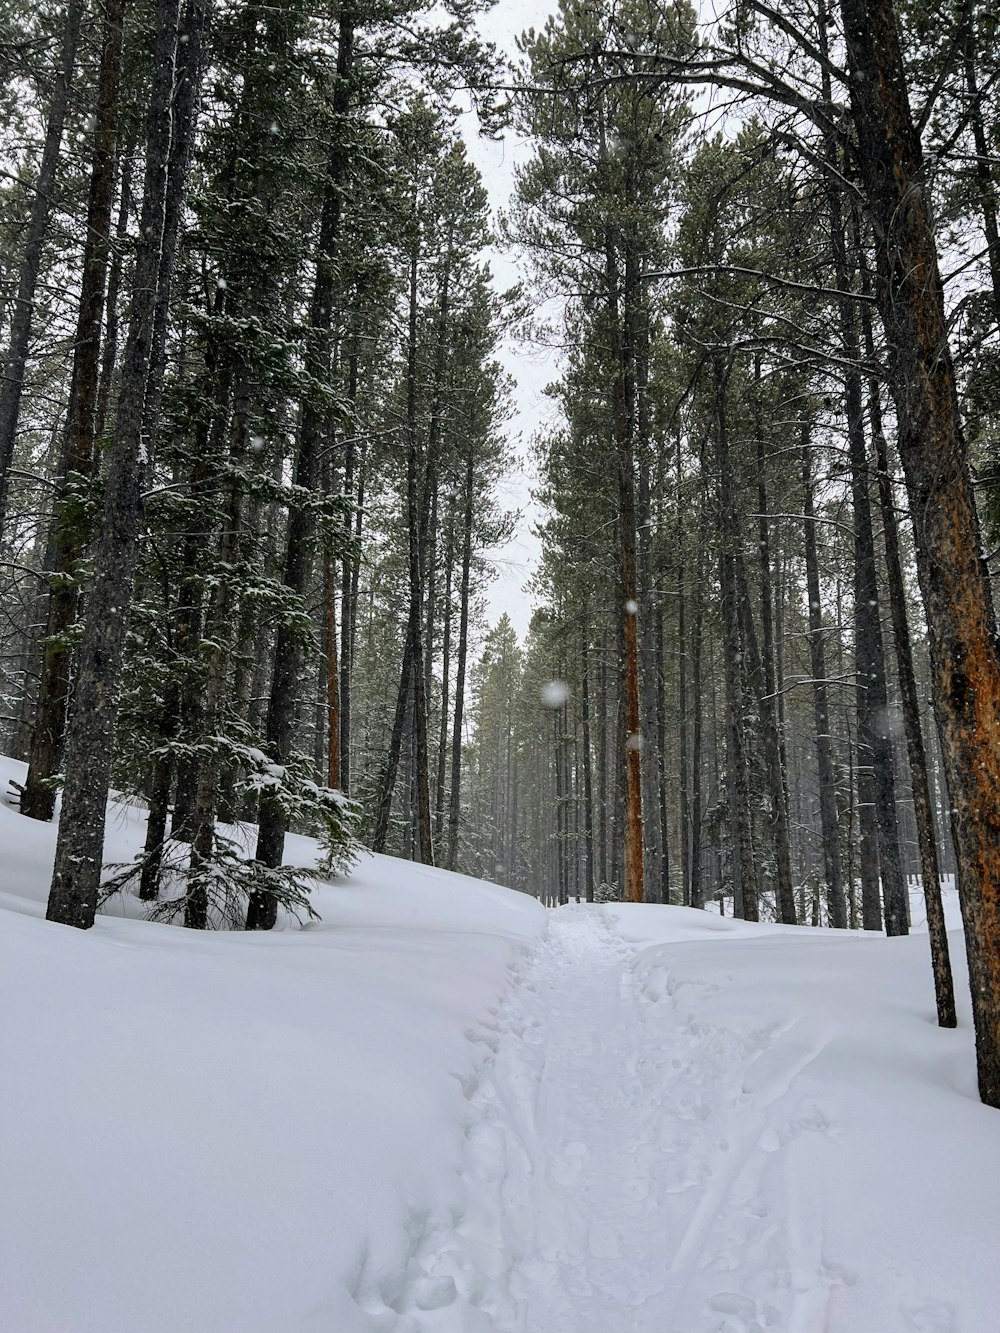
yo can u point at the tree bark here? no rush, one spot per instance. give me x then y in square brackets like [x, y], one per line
[69, 534]
[654, 860]
[387, 787]
[416, 530]
[442, 754]
[682, 698]
[829, 818]
[623, 404]
[588, 795]
[332, 675]
[273, 816]
[944, 989]
[983, 175]
[745, 899]
[455, 795]
[777, 793]
[16, 360]
[91, 731]
[961, 626]
[876, 782]
[697, 892]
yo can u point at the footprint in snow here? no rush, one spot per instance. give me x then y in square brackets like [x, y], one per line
[929, 1317]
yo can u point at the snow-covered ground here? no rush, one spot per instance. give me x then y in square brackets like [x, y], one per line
[441, 1111]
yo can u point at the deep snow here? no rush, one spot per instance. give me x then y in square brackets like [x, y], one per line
[441, 1111]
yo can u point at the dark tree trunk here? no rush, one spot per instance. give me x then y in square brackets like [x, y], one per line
[662, 804]
[348, 627]
[69, 533]
[158, 801]
[109, 355]
[682, 701]
[961, 626]
[654, 858]
[829, 819]
[944, 988]
[697, 894]
[455, 795]
[221, 630]
[332, 700]
[745, 900]
[91, 731]
[442, 753]
[602, 761]
[285, 679]
[876, 781]
[413, 649]
[588, 795]
[383, 810]
[623, 405]
[16, 359]
[983, 176]
[777, 792]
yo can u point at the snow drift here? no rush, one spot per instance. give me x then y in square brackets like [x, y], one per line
[438, 1111]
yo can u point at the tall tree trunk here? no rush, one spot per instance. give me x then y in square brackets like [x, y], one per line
[416, 529]
[876, 780]
[745, 899]
[430, 500]
[442, 753]
[16, 359]
[349, 624]
[332, 674]
[697, 891]
[662, 804]
[387, 787]
[158, 802]
[192, 608]
[983, 176]
[91, 731]
[828, 815]
[285, 678]
[109, 354]
[653, 850]
[961, 626]
[682, 700]
[221, 619]
[777, 792]
[944, 988]
[558, 753]
[455, 796]
[588, 795]
[602, 761]
[624, 335]
[69, 533]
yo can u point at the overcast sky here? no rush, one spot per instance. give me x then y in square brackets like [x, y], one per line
[530, 367]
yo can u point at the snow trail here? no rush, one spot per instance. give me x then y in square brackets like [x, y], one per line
[627, 1166]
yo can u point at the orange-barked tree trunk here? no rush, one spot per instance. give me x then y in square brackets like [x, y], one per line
[963, 644]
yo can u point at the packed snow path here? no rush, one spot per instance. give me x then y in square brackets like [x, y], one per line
[625, 1165]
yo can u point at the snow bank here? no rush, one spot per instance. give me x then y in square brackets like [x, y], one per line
[859, 1113]
[225, 1133]
[426, 1114]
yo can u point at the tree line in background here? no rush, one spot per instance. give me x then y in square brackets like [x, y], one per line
[250, 434]
[772, 659]
[252, 429]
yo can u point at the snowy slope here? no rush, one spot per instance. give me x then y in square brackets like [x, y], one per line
[854, 1138]
[437, 1112]
[225, 1133]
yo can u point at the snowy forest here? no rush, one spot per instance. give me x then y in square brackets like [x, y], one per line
[263, 454]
